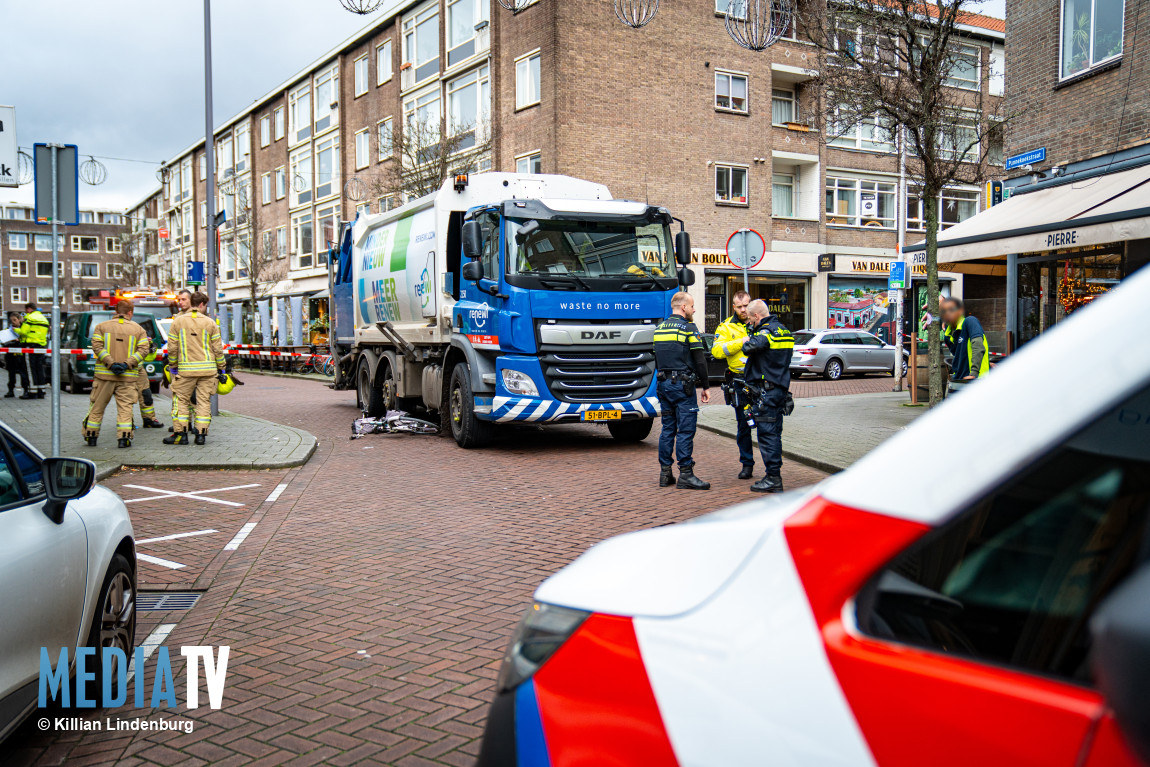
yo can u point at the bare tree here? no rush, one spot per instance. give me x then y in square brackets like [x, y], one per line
[257, 260]
[898, 70]
[132, 256]
[425, 154]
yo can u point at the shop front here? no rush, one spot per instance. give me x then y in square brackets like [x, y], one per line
[857, 295]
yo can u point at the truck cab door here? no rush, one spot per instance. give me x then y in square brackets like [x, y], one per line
[480, 317]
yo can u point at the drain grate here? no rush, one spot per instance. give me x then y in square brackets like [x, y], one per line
[154, 601]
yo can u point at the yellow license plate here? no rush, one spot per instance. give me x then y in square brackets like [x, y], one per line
[602, 415]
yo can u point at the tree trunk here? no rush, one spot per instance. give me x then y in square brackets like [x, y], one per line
[934, 330]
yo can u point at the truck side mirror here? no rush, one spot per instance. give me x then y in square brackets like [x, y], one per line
[686, 277]
[472, 271]
[472, 239]
[1121, 657]
[683, 248]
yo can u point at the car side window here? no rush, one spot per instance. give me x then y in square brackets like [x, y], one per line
[31, 469]
[833, 338]
[1015, 580]
[868, 340]
[849, 339]
[10, 490]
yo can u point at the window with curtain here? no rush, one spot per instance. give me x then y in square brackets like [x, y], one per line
[784, 106]
[783, 195]
[731, 91]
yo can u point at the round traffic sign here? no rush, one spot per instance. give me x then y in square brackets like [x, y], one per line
[746, 248]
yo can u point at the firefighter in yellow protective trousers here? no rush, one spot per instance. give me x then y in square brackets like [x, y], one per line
[196, 362]
[120, 345]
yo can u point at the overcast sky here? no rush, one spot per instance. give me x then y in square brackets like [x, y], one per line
[124, 78]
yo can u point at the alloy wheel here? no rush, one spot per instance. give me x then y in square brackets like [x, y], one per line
[118, 617]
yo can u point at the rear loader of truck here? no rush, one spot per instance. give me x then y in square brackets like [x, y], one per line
[506, 297]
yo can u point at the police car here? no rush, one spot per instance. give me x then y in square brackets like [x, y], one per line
[988, 603]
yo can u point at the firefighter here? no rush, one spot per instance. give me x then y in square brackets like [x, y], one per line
[729, 338]
[768, 377]
[196, 362]
[147, 404]
[33, 332]
[120, 345]
[682, 366]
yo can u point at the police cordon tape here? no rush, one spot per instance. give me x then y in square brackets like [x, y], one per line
[241, 351]
[34, 350]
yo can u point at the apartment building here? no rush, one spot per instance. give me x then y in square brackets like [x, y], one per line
[90, 257]
[674, 113]
[1074, 222]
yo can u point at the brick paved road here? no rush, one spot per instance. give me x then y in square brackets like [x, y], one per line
[367, 610]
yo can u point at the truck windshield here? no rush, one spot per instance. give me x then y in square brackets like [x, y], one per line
[590, 249]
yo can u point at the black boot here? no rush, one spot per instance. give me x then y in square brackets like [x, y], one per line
[769, 484]
[666, 476]
[747, 472]
[124, 442]
[201, 438]
[688, 480]
[40, 394]
[177, 438]
[152, 423]
[28, 395]
[92, 439]
[11, 393]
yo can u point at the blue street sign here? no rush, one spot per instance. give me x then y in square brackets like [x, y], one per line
[195, 273]
[897, 278]
[1026, 158]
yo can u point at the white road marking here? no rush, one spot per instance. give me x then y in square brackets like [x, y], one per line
[197, 495]
[234, 543]
[174, 536]
[161, 562]
[149, 645]
[276, 493]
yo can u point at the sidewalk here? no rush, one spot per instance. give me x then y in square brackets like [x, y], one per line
[829, 433]
[234, 441]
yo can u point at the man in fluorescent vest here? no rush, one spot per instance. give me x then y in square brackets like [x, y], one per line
[33, 331]
[196, 362]
[966, 340]
[120, 345]
[729, 338]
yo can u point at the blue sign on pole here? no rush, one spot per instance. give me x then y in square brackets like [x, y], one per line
[897, 278]
[1026, 158]
[195, 273]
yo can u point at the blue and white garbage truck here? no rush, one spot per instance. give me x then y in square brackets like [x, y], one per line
[506, 297]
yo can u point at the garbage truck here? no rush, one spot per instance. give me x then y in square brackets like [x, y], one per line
[505, 298]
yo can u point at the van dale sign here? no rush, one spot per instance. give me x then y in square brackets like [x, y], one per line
[9, 159]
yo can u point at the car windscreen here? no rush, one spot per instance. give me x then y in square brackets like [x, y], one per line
[590, 249]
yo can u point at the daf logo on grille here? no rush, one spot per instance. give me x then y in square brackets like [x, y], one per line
[600, 335]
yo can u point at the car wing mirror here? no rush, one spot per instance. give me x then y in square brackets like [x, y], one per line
[1121, 657]
[66, 479]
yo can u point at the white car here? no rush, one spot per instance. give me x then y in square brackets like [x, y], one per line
[67, 570]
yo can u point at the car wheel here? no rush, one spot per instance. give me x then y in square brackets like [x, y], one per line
[631, 431]
[468, 431]
[370, 397]
[74, 386]
[834, 370]
[114, 621]
[905, 368]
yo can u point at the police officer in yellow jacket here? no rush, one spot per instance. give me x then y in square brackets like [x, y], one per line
[196, 362]
[120, 345]
[33, 332]
[682, 366]
[729, 338]
[768, 375]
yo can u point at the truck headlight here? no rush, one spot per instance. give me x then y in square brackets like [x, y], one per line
[542, 631]
[519, 383]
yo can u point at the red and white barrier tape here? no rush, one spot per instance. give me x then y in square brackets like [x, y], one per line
[34, 350]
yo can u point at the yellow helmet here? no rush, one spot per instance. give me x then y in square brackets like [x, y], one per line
[223, 387]
[167, 375]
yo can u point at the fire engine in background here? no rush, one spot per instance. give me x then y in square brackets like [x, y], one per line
[142, 298]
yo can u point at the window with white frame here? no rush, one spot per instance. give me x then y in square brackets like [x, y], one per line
[85, 269]
[387, 202]
[18, 295]
[17, 268]
[383, 140]
[965, 61]
[383, 62]
[360, 65]
[114, 271]
[281, 182]
[203, 215]
[265, 130]
[730, 91]
[362, 147]
[1091, 34]
[870, 133]
[737, 8]
[265, 188]
[17, 241]
[464, 18]
[243, 147]
[43, 295]
[278, 122]
[78, 296]
[954, 207]
[116, 218]
[959, 139]
[469, 105]
[18, 214]
[855, 44]
[203, 167]
[82, 244]
[327, 227]
[299, 113]
[185, 180]
[783, 195]
[527, 86]
[327, 167]
[281, 242]
[784, 106]
[422, 114]
[43, 242]
[421, 42]
[44, 269]
[225, 156]
[243, 257]
[300, 171]
[995, 137]
[529, 163]
[268, 243]
[860, 202]
[229, 260]
[326, 88]
[112, 244]
[731, 184]
[302, 239]
[87, 217]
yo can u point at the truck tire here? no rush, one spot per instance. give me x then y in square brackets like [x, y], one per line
[389, 390]
[468, 430]
[370, 396]
[631, 431]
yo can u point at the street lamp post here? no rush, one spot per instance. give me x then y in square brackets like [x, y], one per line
[210, 160]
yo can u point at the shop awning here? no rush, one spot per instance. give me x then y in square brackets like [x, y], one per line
[1094, 211]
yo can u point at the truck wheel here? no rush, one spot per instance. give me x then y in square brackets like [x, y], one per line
[466, 427]
[389, 390]
[370, 397]
[631, 431]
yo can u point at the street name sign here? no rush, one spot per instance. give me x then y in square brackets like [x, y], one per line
[1026, 158]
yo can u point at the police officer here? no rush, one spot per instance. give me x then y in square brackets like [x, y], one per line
[768, 375]
[966, 340]
[729, 338]
[196, 362]
[16, 363]
[682, 366]
[33, 332]
[120, 345]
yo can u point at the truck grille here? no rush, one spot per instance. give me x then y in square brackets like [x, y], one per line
[598, 376]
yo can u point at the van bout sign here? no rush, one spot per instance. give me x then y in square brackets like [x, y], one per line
[9, 159]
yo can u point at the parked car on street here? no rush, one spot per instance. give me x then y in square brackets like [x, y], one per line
[973, 591]
[67, 569]
[832, 353]
[77, 372]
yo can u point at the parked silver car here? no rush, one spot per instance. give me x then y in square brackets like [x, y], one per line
[68, 569]
[831, 353]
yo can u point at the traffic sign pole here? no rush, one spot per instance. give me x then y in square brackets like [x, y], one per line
[55, 306]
